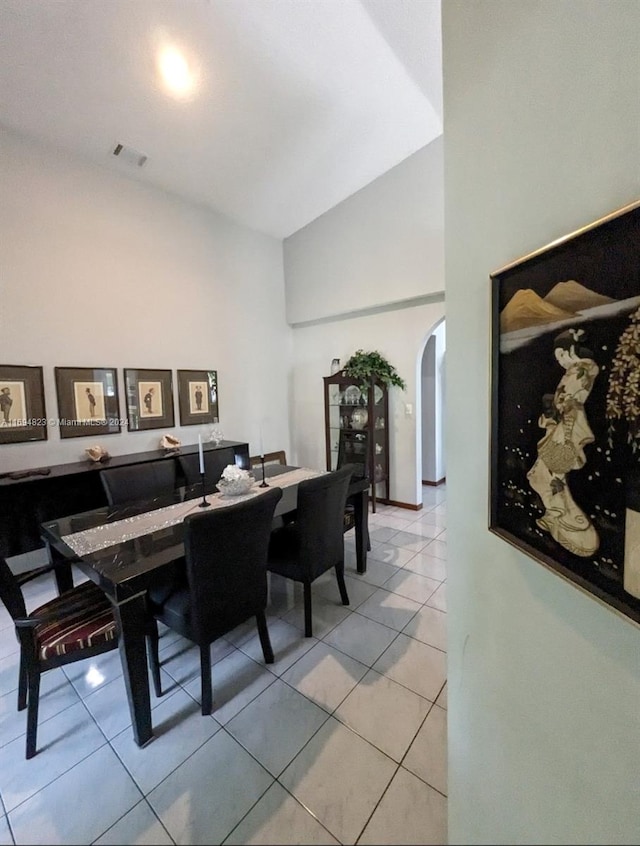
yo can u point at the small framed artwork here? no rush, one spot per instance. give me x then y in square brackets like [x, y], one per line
[198, 396]
[565, 423]
[87, 401]
[22, 410]
[149, 399]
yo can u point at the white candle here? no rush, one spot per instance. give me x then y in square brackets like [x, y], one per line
[201, 454]
[261, 442]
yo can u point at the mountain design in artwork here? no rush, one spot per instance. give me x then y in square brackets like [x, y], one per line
[566, 299]
[572, 296]
[526, 308]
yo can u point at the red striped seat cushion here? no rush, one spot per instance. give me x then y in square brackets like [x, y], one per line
[84, 618]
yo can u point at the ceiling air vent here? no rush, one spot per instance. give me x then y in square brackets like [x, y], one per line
[130, 156]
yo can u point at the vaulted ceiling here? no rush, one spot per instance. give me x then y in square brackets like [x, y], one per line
[294, 105]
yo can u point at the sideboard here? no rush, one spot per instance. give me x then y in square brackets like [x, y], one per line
[66, 489]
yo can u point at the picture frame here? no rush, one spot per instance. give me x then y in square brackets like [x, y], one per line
[198, 397]
[149, 399]
[23, 414]
[88, 403]
[565, 408]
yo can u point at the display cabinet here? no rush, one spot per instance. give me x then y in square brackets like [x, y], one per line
[356, 422]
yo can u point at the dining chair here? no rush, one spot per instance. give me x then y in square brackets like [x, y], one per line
[313, 542]
[70, 627]
[358, 461]
[225, 584]
[278, 457]
[215, 460]
[138, 481]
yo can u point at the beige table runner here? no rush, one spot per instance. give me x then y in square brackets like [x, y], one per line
[109, 534]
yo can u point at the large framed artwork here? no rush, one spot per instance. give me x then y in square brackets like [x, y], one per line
[149, 399]
[22, 410]
[198, 396]
[565, 428]
[87, 401]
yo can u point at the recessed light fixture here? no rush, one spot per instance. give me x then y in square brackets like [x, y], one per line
[179, 79]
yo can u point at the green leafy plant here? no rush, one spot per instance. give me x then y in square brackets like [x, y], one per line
[623, 395]
[363, 365]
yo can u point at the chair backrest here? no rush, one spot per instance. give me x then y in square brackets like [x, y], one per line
[320, 521]
[278, 457]
[10, 592]
[226, 551]
[138, 481]
[215, 460]
[353, 448]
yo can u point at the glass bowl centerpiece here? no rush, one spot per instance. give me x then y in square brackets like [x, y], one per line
[235, 481]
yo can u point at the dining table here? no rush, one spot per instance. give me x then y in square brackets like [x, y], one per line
[125, 548]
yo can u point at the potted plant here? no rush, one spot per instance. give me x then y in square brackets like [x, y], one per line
[363, 365]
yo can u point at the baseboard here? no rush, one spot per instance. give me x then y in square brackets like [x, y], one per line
[399, 504]
[434, 484]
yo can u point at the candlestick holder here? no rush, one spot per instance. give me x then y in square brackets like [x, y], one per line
[263, 483]
[205, 502]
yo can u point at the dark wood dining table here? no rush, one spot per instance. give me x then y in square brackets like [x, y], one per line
[125, 567]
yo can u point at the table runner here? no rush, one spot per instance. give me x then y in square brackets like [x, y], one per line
[109, 534]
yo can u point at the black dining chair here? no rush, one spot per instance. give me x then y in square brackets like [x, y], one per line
[313, 543]
[138, 481]
[225, 584]
[215, 460]
[75, 625]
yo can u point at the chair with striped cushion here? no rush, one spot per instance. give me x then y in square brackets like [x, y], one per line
[75, 625]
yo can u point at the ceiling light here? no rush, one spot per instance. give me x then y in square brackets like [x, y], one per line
[174, 69]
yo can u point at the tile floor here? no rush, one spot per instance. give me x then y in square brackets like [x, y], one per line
[341, 740]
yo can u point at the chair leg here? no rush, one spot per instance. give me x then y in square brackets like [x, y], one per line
[32, 711]
[154, 656]
[265, 640]
[344, 596]
[23, 680]
[205, 680]
[308, 625]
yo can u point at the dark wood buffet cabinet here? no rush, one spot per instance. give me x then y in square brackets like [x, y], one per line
[49, 492]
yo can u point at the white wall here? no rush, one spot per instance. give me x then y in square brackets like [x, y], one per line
[382, 244]
[433, 409]
[542, 129]
[99, 270]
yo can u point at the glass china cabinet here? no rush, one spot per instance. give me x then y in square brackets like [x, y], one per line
[356, 421]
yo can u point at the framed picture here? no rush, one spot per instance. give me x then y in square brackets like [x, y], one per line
[149, 399]
[87, 401]
[198, 396]
[22, 410]
[565, 427]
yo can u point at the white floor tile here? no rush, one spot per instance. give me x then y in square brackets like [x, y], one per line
[236, 681]
[416, 665]
[325, 676]
[63, 741]
[429, 565]
[279, 818]
[207, 796]
[276, 725]
[425, 529]
[100, 780]
[430, 626]
[109, 705]
[384, 713]
[179, 730]
[286, 643]
[409, 584]
[388, 554]
[408, 540]
[139, 827]
[427, 757]
[438, 598]
[339, 777]
[390, 609]
[442, 698]
[5, 833]
[325, 614]
[410, 812]
[56, 694]
[9, 673]
[181, 659]
[357, 589]
[377, 571]
[361, 638]
[438, 548]
[90, 673]
[381, 534]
